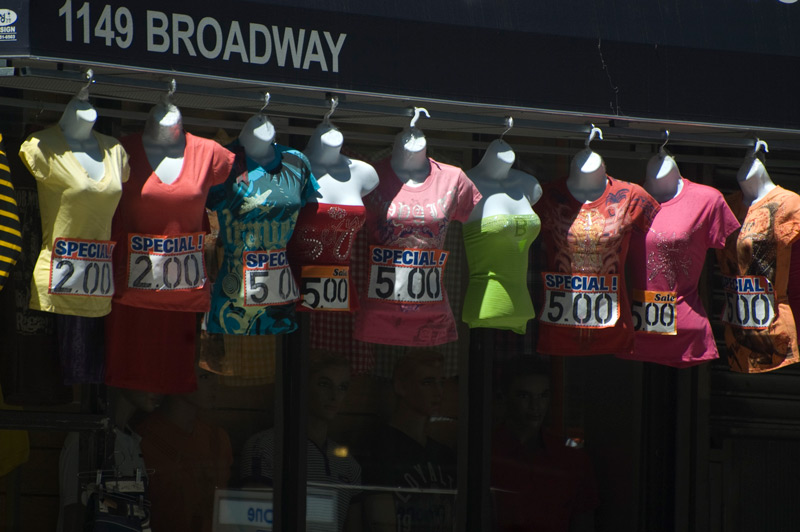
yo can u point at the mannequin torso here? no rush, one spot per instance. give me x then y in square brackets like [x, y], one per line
[754, 180]
[342, 181]
[164, 141]
[587, 176]
[504, 189]
[409, 157]
[76, 124]
[663, 178]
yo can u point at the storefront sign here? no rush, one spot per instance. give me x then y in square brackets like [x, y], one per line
[723, 61]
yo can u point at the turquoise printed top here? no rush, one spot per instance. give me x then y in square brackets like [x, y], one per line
[255, 292]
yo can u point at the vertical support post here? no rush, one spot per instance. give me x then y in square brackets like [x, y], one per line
[474, 455]
[291, 413]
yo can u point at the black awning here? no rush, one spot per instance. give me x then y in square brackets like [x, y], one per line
[726, 61]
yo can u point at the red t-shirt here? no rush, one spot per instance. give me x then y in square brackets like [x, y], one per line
[166, 273]
[540, 490]
[586, 309]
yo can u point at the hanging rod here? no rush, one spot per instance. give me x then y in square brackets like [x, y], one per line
[622, 133]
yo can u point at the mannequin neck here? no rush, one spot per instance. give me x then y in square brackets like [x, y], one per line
[317, 430]
[754, 180]
[587, 176]
[663, 179]
[258, 139]
[496, 162]
[324, 146]
[78, 120]
[180, 412]
[410, 422]
[164, 127]
[410, 158]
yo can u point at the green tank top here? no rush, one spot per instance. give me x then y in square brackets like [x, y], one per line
[497, 254]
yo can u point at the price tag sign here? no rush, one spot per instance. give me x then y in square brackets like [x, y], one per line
[654, 312]
[749, 302]
[400, 275]
[81, 268]
[162, 263]
[267, 279]
[325, 287]
[583, 301]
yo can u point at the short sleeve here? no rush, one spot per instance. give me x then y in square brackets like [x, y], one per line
[310, 183]
[787, 227]
[125, 165]
[221, 164]
[35, 161]
[643, 208]
[468, 197]
[721, 222]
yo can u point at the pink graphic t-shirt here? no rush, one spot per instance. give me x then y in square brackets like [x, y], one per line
[671, 324]
[404, 301]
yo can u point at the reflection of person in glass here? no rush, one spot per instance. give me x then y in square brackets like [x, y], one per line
[190, 456]
[327, 461]
[539, 484]
[402, 455]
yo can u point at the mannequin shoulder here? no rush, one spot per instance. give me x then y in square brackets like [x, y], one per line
[365, 174]
[529, 185]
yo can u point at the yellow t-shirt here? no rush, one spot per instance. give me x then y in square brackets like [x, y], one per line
[78, 210]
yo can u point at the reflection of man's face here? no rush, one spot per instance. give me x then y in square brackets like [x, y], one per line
[142, 400]
[326, 391]
[205, 396]
[423, 390]
[528, 401]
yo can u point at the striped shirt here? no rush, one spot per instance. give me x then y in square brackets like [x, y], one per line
[10, 229]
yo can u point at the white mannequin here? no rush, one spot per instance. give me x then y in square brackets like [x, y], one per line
[504, 189]
[258, 139]
[663, 178]
[409, 157]
[164, 141]
[587, 176]
[754, 180]
[342, 181]
[76, 125]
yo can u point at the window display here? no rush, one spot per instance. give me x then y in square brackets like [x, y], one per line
[299, 283]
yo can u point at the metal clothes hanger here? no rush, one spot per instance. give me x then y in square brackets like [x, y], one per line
[334, 104]
[594, 132]
[417, 112]
[83, 94]
[509, 121]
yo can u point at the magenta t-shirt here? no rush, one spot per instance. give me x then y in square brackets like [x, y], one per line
[671, 324]
[404, 301]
